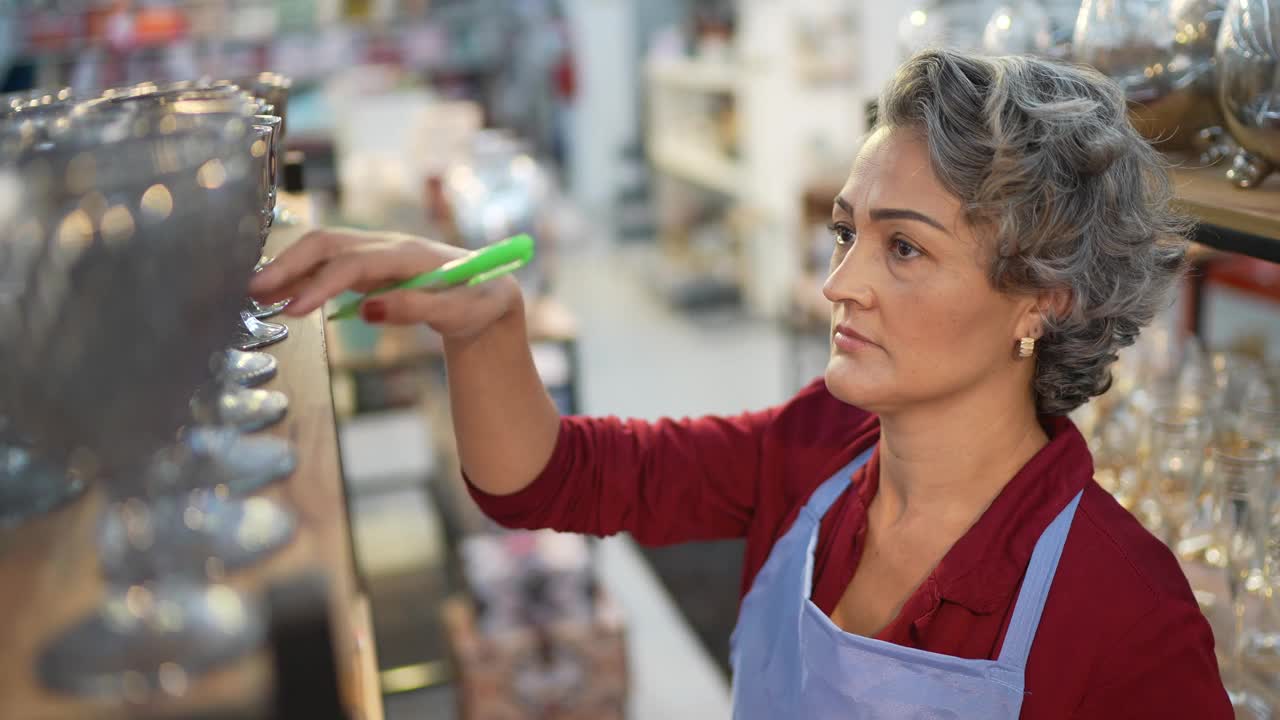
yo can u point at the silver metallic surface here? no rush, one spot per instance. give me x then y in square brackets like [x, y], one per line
[252, 333]
[151, 642]
[263, 312]
[245, 409]
[1248, 53]
[248, 368]
[251, 462]
[1161, 52]
[31, 486]
[209, 537]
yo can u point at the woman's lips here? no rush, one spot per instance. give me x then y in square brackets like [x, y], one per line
[847, 339]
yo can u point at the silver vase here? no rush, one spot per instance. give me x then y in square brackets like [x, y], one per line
[1161, 52]
[1248, 55]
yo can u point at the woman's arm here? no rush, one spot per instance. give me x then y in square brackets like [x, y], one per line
[505, 422]
[665, 482]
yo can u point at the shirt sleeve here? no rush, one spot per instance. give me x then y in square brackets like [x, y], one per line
[665, 482]
[1164, 668]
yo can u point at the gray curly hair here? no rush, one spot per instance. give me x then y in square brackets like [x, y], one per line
[1070, 197]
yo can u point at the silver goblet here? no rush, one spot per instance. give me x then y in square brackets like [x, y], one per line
[131, 244]
[184, 106]
[223, 408]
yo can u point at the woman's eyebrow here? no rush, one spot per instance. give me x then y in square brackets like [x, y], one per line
[905, 214]
[893, 214]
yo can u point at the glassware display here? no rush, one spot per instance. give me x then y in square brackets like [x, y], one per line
[498, 190]
[30, 484]
[1248, 59]
[1116, 443]
[274, 152]
[1031, 27]
[955, 24]
[1186, 440]
[153, 222]
[1179, 437]
[1243, 476]
[180, 104]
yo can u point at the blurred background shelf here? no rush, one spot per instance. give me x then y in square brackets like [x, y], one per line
[713, 76]
[697, 164]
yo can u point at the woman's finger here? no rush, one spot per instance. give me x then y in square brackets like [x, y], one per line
[401, 307]
[298, 261]
[287, 291]
[360, 268]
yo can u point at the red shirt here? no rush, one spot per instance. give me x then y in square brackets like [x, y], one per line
[1121, 635]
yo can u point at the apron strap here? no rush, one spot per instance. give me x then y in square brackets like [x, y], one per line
[822, 498]
[1035, 588]
[820, 502]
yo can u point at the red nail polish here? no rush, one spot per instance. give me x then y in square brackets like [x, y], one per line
[374, 311]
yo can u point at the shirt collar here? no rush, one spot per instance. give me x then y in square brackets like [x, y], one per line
[985, 566]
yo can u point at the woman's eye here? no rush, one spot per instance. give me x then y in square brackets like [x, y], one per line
[902, 249]
[844, 235]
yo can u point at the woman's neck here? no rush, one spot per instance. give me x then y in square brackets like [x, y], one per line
[945, 465]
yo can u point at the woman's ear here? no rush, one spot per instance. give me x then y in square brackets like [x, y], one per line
[1051, 304]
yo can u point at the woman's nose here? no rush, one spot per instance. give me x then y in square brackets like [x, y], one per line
[848, 280]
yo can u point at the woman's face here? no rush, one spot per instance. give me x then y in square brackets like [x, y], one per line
[914, 319]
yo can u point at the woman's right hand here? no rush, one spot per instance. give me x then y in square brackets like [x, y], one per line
[325, 263]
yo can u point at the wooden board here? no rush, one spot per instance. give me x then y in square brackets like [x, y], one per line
[1205, 194]
[49, 575]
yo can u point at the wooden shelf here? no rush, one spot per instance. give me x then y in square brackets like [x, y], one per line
[50, 574]
[696, 164]
[1235, 220]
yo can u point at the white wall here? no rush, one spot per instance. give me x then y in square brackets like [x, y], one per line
[605, 116]
[878, 53]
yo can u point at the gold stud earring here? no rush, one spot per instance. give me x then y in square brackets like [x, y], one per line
[1026, 347]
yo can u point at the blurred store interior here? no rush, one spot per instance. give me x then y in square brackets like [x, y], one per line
[676, 161]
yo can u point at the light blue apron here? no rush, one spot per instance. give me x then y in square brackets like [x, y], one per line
[791, 661]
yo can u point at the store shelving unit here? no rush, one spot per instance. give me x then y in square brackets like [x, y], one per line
[692, 143]
[693, 162]
[697, 75]
[796, 110]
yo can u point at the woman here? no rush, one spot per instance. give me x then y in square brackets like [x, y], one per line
[924, 538]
